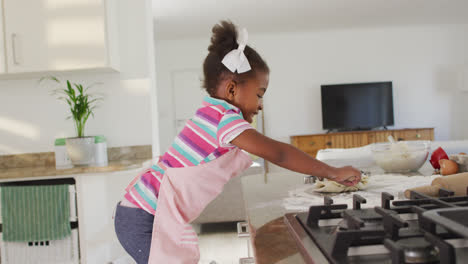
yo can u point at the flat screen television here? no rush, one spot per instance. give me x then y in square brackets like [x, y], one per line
[357, 106]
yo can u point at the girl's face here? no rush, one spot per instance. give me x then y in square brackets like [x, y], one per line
[249, 95]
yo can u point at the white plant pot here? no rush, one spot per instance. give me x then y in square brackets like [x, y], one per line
[80, 150]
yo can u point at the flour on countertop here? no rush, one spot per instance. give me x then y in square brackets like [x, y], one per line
[300, 199]
[329, 186]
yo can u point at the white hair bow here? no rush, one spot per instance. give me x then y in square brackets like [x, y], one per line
[235, 59]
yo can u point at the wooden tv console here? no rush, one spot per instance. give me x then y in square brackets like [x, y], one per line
[313, 143]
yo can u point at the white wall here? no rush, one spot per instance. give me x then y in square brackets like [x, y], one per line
[424, 63]
[31, 119]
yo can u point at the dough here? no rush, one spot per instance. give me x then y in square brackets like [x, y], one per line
[332, 186]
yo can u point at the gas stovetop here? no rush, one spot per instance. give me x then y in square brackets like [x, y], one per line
[422, 229]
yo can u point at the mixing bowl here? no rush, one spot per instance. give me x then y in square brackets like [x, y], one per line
[402, 156]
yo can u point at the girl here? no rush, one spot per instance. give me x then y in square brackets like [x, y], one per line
[152, 220]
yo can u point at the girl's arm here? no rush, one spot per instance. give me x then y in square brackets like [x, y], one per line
[291, 158]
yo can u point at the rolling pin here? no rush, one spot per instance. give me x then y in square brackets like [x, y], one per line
[455, 182]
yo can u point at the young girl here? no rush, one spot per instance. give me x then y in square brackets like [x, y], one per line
[152, 221]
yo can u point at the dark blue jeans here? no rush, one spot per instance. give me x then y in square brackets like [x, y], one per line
[134, 228]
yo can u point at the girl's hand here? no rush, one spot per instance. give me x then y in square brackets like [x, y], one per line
[348, 176]
[289, 157]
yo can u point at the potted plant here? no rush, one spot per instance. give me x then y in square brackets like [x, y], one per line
[81, 104]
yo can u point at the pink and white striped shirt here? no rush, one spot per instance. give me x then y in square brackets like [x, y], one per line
[205, 137]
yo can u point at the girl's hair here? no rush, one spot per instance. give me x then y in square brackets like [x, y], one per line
[223, 40]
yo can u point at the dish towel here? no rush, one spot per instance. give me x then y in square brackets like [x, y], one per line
[35, 213]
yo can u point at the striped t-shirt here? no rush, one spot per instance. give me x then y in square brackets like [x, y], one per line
[204, 138]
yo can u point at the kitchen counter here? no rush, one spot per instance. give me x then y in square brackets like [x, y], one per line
[285, 192]
[264, 210]
[35, 165]
[96, 191]
[47, 171]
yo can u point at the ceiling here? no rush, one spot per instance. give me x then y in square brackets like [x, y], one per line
[194, 18]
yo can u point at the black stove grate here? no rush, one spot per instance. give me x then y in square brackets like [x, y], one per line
[438, 220]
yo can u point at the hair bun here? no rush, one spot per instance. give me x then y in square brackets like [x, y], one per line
[224, 38]
[223, 41]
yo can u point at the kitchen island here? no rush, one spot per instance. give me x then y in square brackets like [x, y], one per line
[264, 211]
[267, 202]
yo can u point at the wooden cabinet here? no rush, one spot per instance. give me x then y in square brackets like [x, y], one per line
[380, 136]
[44, 35]
[310, 144]
[416, 134]
[313, 143]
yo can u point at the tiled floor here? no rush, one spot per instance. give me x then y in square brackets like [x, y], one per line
[220, 244]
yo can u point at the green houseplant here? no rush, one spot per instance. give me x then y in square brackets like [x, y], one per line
[81, 104]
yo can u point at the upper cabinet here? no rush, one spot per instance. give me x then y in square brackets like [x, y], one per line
[57, 35]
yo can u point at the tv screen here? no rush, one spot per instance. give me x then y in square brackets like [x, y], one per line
[357, 106]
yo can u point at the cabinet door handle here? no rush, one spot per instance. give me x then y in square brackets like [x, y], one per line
[13, 48]
[329, 143]
[248, 260]
[311, 143]
[241, 226]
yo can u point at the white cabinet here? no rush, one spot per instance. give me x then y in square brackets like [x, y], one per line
[2, 42]
[57, 35]
[97, 197]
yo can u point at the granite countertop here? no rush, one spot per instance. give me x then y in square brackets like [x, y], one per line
[42, 164]
[285, 192]
[44, 171]
[264, 210]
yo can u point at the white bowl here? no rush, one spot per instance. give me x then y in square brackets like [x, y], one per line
[400, 157]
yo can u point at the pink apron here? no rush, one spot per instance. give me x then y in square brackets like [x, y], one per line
[183, 195]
